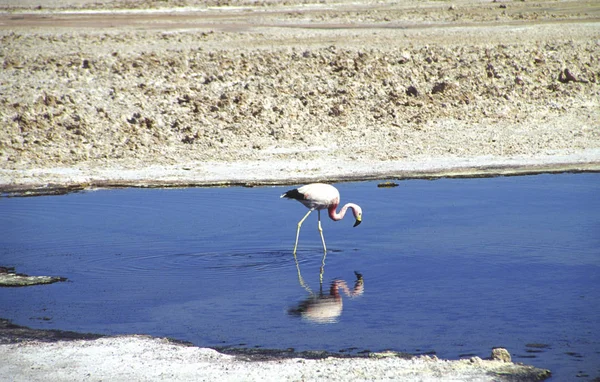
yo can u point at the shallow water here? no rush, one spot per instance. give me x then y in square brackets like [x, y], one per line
[452, 267]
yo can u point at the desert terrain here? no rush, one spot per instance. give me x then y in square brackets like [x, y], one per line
[201, 93]
[208, 93]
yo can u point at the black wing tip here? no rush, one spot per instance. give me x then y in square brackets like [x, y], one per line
[293, 194]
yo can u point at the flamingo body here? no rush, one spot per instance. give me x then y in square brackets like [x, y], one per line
[319, 196]
[316, 196]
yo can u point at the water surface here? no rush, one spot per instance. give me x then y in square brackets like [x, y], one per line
[452, 267]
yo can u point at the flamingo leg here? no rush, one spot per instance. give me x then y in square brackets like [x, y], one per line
[321, 232]
[300, 278]
[298, 230]
[324, 251]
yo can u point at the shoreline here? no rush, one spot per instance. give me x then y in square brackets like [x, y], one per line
[56, 355]
[50, 181]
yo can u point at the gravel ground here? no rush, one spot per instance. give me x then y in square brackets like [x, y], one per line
[298, 91]
[120, 93]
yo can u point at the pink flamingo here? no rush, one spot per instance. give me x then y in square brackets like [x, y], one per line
[319, 196]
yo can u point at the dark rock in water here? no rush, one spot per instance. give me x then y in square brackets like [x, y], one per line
[387, 185]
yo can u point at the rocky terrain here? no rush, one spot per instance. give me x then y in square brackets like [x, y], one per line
[87, 85]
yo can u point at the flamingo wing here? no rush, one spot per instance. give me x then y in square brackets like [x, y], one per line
[316, 196]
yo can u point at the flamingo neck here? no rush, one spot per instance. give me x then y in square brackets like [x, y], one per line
[339, 216]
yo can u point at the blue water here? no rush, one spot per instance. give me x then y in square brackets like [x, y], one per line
[453, 267]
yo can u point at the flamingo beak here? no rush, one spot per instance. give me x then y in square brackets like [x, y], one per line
[358, 221]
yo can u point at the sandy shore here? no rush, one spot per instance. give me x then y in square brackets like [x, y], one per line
[113, 94]
[51, 355]
[142, 358]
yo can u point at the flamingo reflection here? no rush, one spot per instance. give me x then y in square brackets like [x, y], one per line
[326, 308]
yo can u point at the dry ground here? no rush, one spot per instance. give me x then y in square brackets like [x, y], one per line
[183, 86]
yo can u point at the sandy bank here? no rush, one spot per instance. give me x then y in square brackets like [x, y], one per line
[44, 355]
[277, 172]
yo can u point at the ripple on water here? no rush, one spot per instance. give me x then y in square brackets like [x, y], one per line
[197, 264]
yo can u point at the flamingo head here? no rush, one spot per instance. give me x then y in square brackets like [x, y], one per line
[357, 215]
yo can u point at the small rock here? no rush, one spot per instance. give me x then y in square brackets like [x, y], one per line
[8, 278]
[501, 354]
[404, 57]
[336, 110]
[440, 87]
[491, 71]
[412, 91]
[566, 76]
[519, 81]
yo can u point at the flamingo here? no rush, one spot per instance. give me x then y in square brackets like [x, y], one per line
[319, 196]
